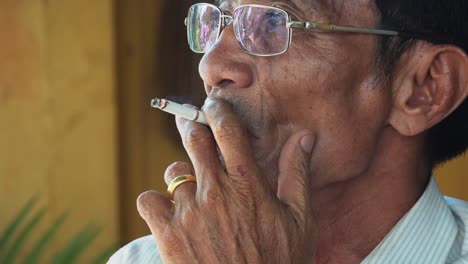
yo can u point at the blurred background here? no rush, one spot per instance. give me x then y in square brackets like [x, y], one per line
[77, 135]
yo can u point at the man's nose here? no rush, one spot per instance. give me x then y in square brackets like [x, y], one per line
[226, 65]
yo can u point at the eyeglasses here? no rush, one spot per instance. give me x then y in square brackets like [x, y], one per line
[260, 30]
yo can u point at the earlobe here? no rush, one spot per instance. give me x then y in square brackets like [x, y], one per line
[432, 83]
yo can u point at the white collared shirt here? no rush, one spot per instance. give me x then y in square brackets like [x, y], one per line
[433, 231]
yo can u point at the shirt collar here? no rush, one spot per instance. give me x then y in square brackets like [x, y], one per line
[424, 235]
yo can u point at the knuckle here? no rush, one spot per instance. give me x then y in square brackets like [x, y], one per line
[244, 197]
[196, 137]
[177, 168]
[144, 198]
[178, 165]
[188, 218]
[215, 106]
[145, 202]
[211, 197]
[210, 106]
[225, 127]
[225, 124]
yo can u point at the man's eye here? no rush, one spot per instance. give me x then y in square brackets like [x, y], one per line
[274, 18]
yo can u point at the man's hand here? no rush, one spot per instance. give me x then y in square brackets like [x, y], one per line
[231, 215]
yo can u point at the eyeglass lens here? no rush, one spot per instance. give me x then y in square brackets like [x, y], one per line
[259, 30]
[203, 27]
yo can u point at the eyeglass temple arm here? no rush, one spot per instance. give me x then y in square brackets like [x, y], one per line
[327, 27]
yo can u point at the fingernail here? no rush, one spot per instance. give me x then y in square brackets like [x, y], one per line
[307, 143]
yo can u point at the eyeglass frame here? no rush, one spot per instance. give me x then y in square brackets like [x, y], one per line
[290, 24]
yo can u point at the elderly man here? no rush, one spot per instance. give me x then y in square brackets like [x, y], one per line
[326, 119]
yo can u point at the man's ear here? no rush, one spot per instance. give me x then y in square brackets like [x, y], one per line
[429, 82]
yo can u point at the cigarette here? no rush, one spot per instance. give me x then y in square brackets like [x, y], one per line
[179, 110]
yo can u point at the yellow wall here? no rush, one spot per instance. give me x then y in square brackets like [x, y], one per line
[146, 144]
[57, 113]
[453, 178]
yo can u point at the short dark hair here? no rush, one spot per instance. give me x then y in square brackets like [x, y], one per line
[437, 22]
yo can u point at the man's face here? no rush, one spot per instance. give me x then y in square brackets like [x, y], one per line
[325, 82]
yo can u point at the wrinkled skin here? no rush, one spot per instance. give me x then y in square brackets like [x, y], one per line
[323, 83]
[227, 218]
[311, 148]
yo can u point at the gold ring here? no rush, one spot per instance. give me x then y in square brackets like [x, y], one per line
[178, 181]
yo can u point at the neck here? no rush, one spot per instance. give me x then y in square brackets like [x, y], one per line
[355, 215]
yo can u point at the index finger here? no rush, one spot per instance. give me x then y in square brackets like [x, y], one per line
[232, 140]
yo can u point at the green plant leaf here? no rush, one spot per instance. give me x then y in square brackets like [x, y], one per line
[14, 238]
[41, 245]
[17, 220]
[11, 254]
[104, 256]
[77, 245]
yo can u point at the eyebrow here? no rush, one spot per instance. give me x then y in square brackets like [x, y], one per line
[295, 7]
[290, 2]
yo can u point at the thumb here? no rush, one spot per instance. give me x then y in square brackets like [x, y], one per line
[294, 172]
